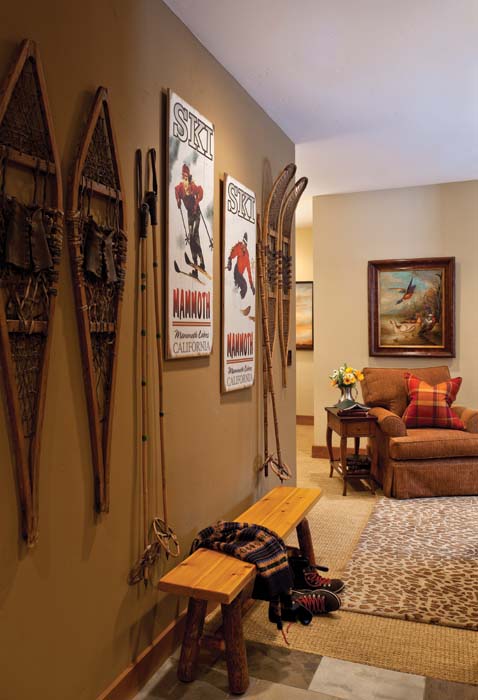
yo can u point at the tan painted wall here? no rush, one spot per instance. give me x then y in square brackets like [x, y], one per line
[349, 230]
[69, 624]
[304, 250]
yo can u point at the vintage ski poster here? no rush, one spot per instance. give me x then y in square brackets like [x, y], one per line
[189, 231]
[239, 286]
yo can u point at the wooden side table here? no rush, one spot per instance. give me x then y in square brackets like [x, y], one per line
[347, 427]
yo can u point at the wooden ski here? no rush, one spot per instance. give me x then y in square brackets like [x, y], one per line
[188, 274]
[97, 241]
[198, 268]
[284, 275]
[267, 253]
[31, 234]
[277, 465]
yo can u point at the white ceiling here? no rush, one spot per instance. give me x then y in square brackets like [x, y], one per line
[375, 93]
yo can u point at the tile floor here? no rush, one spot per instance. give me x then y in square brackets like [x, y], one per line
[281, 674]
[278, 673]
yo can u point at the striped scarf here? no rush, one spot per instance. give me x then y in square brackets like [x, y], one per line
[256, 545]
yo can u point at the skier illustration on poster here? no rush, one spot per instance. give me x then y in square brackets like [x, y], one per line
[239, 316]
[190, 194]
[189, 234]
[240, 253]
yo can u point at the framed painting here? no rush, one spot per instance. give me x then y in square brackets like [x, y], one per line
[189, 234]
[411, 306]
[238, 286]
[304, 315]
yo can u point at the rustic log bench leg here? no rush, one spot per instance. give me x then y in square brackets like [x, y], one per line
[236, 658]
[305, 541]
[192, 634]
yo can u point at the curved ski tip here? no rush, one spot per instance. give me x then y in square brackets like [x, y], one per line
[27, 48]
[30, 45]
[102, 92]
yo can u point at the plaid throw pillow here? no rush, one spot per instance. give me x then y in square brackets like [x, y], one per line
[429, 406]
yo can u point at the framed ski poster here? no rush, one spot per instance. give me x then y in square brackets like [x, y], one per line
[189, 231]
[239, 286]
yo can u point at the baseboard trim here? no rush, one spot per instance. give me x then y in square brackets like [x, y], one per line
[322, 452]
[134, 677]
[304, 420]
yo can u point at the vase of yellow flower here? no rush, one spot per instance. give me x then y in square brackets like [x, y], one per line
[346, 378]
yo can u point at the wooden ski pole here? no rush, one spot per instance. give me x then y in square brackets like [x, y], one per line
[165, 535]
[152, 202]
[265, 387]
[265, 392]
[143, 251]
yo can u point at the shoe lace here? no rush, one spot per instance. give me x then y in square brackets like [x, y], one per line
[313, 602]
[316, 580]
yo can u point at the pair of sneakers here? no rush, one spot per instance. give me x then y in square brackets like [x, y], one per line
[318, 594]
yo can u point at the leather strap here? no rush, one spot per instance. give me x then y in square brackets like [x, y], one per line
[3, 170]
[36, 177]
[45, 183]
[151, 197]
[143, 209]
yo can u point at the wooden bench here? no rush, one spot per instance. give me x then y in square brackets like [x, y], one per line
[212, 576]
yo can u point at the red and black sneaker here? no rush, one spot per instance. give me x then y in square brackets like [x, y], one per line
[290, 611]
[306, 576]
[317, 602]
[311, 580]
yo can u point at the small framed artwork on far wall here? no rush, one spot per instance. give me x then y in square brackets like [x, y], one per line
[304, 315]
[412, 307]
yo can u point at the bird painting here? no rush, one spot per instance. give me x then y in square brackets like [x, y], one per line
[407, 327]
[407, 293]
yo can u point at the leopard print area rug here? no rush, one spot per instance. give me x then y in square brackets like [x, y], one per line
[417, 560]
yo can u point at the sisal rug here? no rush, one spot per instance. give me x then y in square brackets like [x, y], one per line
[418, 560]
[336, 523]
[436, 651]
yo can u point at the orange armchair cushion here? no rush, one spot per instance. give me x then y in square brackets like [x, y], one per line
[434, 443]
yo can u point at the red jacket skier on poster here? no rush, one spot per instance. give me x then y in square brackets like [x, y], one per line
[240, 252]
[190, 195]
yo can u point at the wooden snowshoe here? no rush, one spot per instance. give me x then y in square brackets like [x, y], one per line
[98, 256]
[31, 234]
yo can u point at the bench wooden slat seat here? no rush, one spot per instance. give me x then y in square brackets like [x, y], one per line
[281, 509]
[208, 575]
[212, 576]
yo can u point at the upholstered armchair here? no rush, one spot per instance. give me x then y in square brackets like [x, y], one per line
[419, 462]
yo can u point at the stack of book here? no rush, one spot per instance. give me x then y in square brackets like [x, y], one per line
[354, 410]
[358, 463]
